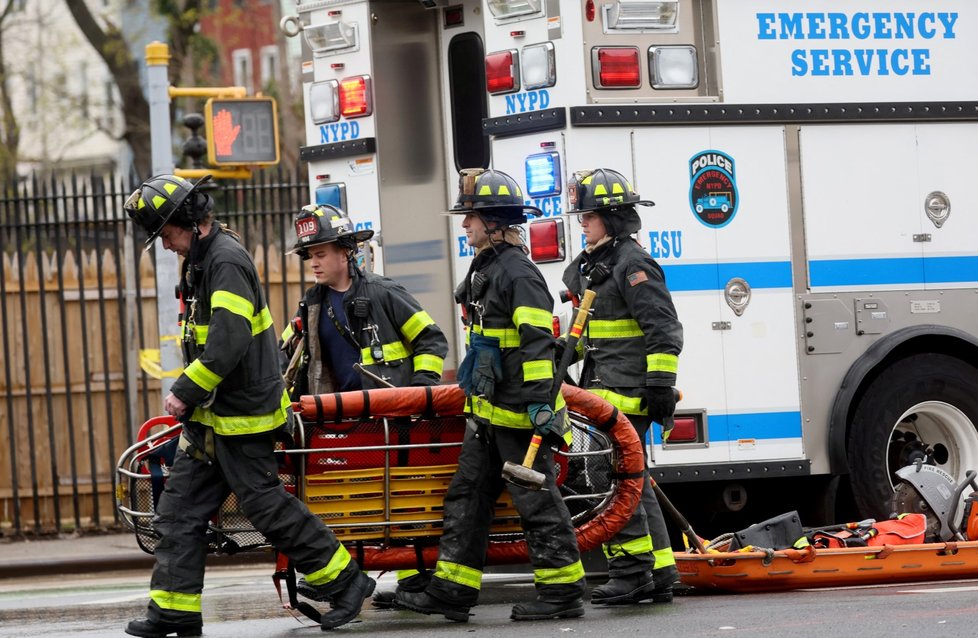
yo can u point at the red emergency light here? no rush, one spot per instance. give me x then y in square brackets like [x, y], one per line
[686, 430]
[503, 71]
[356, 99]
[615, 67]
[547, 240]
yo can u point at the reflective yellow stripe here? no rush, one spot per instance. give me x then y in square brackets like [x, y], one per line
[534, 317]
[413, 326]
[508, 337]
[662, 363]
[460, 574]
[628, 405]
[539, 369]
[288, 332]
[560, 575]
[199, 374]
[614, 329]
[392, 352]
[232, 425]
[429, 363]
[261, 322]
[335, 566]
[233, 303]
[406, 573]
[503, 417]
[641, 545]
[665, 557]
[175, 600]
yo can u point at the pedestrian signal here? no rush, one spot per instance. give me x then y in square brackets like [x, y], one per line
[241, 131]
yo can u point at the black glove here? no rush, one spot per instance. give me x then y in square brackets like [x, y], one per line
[662, 403]
[560, 345]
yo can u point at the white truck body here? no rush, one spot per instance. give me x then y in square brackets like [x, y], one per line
[812, 211]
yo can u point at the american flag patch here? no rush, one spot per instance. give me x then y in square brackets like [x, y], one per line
[637, 277]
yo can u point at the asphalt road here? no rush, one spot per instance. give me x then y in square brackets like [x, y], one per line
[242, 602]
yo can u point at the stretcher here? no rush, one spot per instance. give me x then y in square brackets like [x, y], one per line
[375, 465]
[786, 569]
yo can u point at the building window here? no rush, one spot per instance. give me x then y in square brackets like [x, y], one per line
[109, 118]
[269, 65]
[32, 89]
[241, 61]
[83, 90]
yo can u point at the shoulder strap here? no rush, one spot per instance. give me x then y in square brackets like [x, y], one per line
[339, 327]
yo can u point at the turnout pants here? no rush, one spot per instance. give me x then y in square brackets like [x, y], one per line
[643, 544]
[557, 570]
[196, 488]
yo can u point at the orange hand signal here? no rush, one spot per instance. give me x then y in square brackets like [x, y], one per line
[225, 132]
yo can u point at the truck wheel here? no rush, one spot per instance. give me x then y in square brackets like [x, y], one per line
[922, 407]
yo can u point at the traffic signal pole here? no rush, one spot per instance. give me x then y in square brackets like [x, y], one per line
[167, 270]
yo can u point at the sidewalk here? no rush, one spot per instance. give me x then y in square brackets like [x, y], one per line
[74, 554]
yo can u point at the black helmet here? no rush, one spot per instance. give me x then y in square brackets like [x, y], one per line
[493, 195]
[168, 199]
[609, 194]
[322, 224]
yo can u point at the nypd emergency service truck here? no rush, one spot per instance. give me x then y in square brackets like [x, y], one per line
[812, 165]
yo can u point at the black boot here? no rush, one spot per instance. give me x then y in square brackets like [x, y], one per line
[346, 604]
[540, 610]
[147, 628]
[625, 590]
[319, 593]
[664, 578]
[416, 583]
[425, 603]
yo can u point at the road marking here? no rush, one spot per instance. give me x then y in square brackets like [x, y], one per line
[939, 590]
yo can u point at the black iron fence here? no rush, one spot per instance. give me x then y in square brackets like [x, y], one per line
[79, 333]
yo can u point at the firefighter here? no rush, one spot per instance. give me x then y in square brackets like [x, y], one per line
[630, 356]
[508, 377]
[360, 317]
[232, 402]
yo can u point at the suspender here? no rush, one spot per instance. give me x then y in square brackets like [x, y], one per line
[339, 327]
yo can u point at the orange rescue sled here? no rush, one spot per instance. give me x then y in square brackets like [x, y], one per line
[786, 569]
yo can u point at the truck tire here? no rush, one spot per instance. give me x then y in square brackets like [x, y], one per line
[922, 407]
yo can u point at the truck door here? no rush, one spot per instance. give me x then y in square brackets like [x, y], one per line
[861, 214]
[943, 198]
[723, 191]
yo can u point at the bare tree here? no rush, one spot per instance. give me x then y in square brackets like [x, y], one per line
[9, 128]
[107, 39]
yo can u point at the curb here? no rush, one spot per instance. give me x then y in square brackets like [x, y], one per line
[120, 562]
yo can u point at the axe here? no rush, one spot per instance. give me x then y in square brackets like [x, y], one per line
[524, 475]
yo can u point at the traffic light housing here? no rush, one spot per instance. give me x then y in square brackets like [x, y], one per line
[241, 131]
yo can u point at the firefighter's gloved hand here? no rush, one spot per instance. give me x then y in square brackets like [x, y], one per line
[560, 346]
[662, 403]
[481, 367]
[542, 418]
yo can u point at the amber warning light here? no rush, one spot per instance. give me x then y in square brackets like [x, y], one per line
[241, 131]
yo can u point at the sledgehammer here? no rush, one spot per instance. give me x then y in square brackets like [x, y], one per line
[524, 475]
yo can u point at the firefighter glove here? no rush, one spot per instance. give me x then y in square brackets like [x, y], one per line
[542, 418]
[662, 403]
[481, 367]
